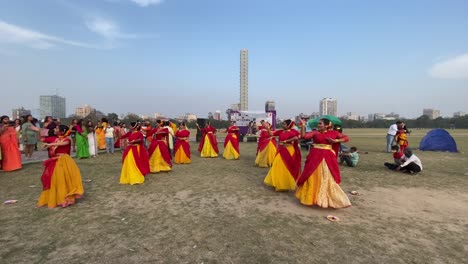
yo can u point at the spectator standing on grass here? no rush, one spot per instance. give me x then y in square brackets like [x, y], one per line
[73, 134]
[110, 139]
[19, 133]
[391, 133]
[351, 158]
[11, 156]
[92, 144]
[123, 141]
[29, 136]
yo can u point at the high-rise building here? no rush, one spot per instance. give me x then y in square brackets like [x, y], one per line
[352, 116]
[459, 114]
[269, 106]
[52, 105]
[83, 111]
[217, 115]
[244, 80]
[431, 113]
[328, 106]
[18, 112]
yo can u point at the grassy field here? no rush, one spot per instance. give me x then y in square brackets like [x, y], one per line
[219, 211]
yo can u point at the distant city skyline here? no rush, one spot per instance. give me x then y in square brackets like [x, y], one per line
[177, 57]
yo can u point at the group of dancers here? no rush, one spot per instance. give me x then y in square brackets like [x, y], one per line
[278, 150]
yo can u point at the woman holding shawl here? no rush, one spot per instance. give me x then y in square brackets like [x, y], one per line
[182, 147]
[135, 158]
[266, 149]
[231, 143]
[160, 157]
[208, 147]
[286, 166]
[61, 179]
[319, 182]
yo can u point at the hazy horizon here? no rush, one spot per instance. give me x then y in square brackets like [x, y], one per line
[175, 57]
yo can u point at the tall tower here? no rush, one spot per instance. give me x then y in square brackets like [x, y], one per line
[244, 80]
[328, 106]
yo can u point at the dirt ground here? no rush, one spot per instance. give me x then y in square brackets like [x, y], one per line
[219, 211]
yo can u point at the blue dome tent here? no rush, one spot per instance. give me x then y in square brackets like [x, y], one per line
[438, 140]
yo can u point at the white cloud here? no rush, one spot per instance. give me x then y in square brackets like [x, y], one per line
[14, 34]
[106, 28]
[453, 68]
[145, 3]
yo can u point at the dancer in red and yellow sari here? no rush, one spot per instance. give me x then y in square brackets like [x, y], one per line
[231, 143]
[208, 146]
[61, 179]
[266, 148]
[160, 157]
[182, 147]
[11, 156]
[135, 162]
[319, 183]
[286, 166]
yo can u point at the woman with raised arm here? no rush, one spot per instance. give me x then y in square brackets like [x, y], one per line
[319, 182]
[135, 161]
[286, 166]
[61, 179]
[266, 149]
[208, 146]
[182, 147]
[231, 143]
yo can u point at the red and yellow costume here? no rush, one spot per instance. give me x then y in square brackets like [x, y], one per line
[208, 146]
[286, 166]
[182, 147]
[135, 164]
[401, 139]
[11, 156]
[231, 143]
[61, 179]
[160, 157]
[266, 149]
[101, 135]
[319, 182]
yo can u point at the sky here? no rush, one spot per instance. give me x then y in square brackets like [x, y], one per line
[183, 56]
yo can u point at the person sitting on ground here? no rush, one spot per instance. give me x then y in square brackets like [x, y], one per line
[411, 163]
[351, 158]
[397, 155]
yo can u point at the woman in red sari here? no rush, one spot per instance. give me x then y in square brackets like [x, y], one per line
[182, 147]
[319, 183]
[135, 162]
[208, 147]
[61, 179]
[231, 143]
[11, 156]
[266, 148]
[286, 166]
[160, 157]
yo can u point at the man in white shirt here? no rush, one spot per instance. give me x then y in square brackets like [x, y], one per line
[411, 163]
[110, 138]
[392, 131]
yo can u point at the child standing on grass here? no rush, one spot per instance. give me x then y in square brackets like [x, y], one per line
[351, 158]
[401, 139]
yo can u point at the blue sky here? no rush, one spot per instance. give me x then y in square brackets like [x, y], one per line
[178, 56]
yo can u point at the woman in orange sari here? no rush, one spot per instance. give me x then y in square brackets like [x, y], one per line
[182, 147]
[319, 183]
[266, 148]
[61, 179]
[231, 143]
[101, 134]
[11, 156]
[208, 146]
[160, 157]
[286, 166]
[135, 162]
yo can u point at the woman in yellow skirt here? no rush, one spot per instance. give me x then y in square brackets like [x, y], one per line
[208, 146]
[286, 166]
[266, 149]
[160, 157]
[61, 179]
[135, 162]
[231, 143]
[182, 147]
[319, 183]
